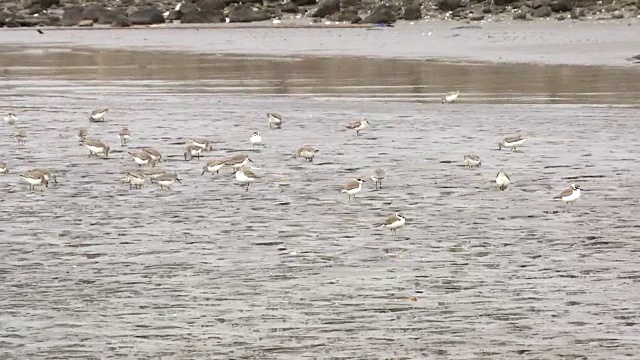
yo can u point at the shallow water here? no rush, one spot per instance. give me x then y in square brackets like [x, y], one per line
[290, 269]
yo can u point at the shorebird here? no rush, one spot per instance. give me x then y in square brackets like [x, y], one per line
[359, 125]
[471, 160]
[155, 154]
[21, 137]
[238, 161]
[378, 176]
[4, 168]
[83, 133]
[245, 176]
[165, 180]
[98, 114]
[202, 143]
[394, 222]
[307, 152]
[95, 147]
[255, 139]
[124, 136]
[10, 118]
[570, 195]
[450, 97]
[511, 142]
[353, 187]
[275, 120]
[192, 151]
[503, 180]
[153, 173]
[213, 166]
[48, 175]
[135, 179]
[35, 178]
[142, 158]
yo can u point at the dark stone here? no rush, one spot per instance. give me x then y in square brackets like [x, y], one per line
[107, 17]
[561, 5]
[326, 8]
[93, 12]
[412, 11]
[356, 20]
[187, 7]
[383, 14]
[121, 21]
[174, 15]
[147, 16]
[45, 4]
[448, 5]
[203, 17]
[561, 17]
[540, 12]
[86, 23]
[211, 5]
[345, 15]
[520, 15]
[536, 4]
[290, 7]
[304, 2]
[244, 13]
[503, 2]
[31, 21]
[487, 10]
[72, 15]
[574, 14]
[478, 17]
[35, 9]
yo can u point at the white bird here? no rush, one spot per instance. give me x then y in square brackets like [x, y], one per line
[450, 97]
[35, 178]
[570, 195]
[98, 114]
[353, 187]
[471, 160]
[511, 142]
[378, 176]
[255, 139]
[135, 179]
[245, 176]
[10, 118]
[275, 120]
[359, 125]
[503, 180]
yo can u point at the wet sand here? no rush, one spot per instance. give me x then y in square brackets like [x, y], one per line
[291, 269]
[543, 42]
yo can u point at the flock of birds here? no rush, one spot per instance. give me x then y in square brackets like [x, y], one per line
[149, 157]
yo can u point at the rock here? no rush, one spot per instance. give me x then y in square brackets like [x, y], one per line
[561, 5]
[211, 5]
[203, 17]
[86, 23]
[121, 21]
[383, 14]
[45, 4]
[174, 15]
[536, 4]
[107, 17]
[187, 7]
[574, 14]
[290, 7]
[304, 2]
[345, 15]
[93, 12]
[448, 5]
[72, 15]
[30, 21]
[520, 15]
[412, 11]
[540, 12]
[503, 2]
[146, 16]
[487, 9]
[560, 17]
[356, 20]
[478, 17]
[27, 3]
[617, 15]
[244, 13]
[327, 8]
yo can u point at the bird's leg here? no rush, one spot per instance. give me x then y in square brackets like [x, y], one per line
[248, 186]
[129, 185]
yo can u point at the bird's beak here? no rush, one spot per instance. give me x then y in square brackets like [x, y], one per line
[250, 160]
[178, 180]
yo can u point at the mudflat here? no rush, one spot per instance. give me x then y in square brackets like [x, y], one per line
[291, 269]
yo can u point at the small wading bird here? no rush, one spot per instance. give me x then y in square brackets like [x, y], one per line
[359, 125]
[275, 120]
[511, 142]
[450, 97]
[213, 166]
[378, 176]
[155, 154]
[48, 175]
[21, 137]
[394, 222]
[192, 151]
[307, 152]
[353, 187]
[35, 178]
[166, 180]
[255, 139]
[570, 195]
[503, 180]
[95, 147]
[10, 118]
[202, 143]
[245, 176]
[142, 158]
[238, 161]
[83, 133]
[97, 115]
[124, 136]
[4, 169]
[135, 180]
[472, 160]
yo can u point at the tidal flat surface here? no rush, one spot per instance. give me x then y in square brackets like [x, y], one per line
[90, 269]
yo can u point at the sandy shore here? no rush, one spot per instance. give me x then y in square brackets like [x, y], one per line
[608, 43]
